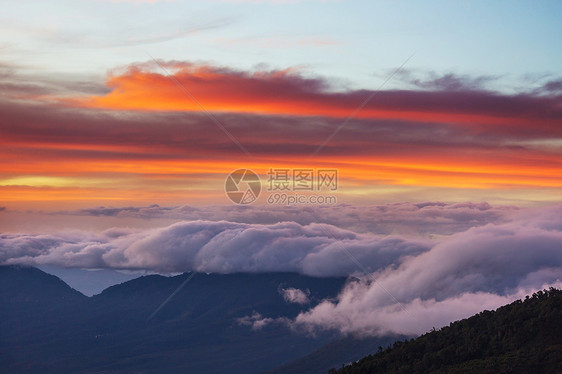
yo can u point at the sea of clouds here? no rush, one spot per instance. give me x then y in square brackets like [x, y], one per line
[417, 266]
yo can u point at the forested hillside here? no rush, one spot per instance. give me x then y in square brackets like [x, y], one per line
[522, 337]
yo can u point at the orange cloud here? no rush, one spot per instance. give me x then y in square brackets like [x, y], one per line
[285, 92]
[160, 147]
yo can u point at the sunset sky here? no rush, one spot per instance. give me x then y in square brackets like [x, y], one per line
[120, 122]
[434, 101]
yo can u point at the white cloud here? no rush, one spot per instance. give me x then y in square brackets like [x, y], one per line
[482, 268]
[436, 281]
[256, 321]
[209, 246]
[397, 218]
[294, 295]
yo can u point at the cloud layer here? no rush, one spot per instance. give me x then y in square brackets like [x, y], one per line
[140, 132]
[213, 246]
[288, 91]
[404, 284]
[481, 268]
[427, 218]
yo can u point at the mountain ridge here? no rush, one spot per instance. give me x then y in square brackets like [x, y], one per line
[196, 331]
[521, 337]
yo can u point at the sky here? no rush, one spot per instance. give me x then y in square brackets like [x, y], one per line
[121, 121]
[462, 99]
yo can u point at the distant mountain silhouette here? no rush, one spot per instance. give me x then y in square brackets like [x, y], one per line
[522, 337]
[334, 354]
[21, 285]
[48, 327]
[90, 282]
